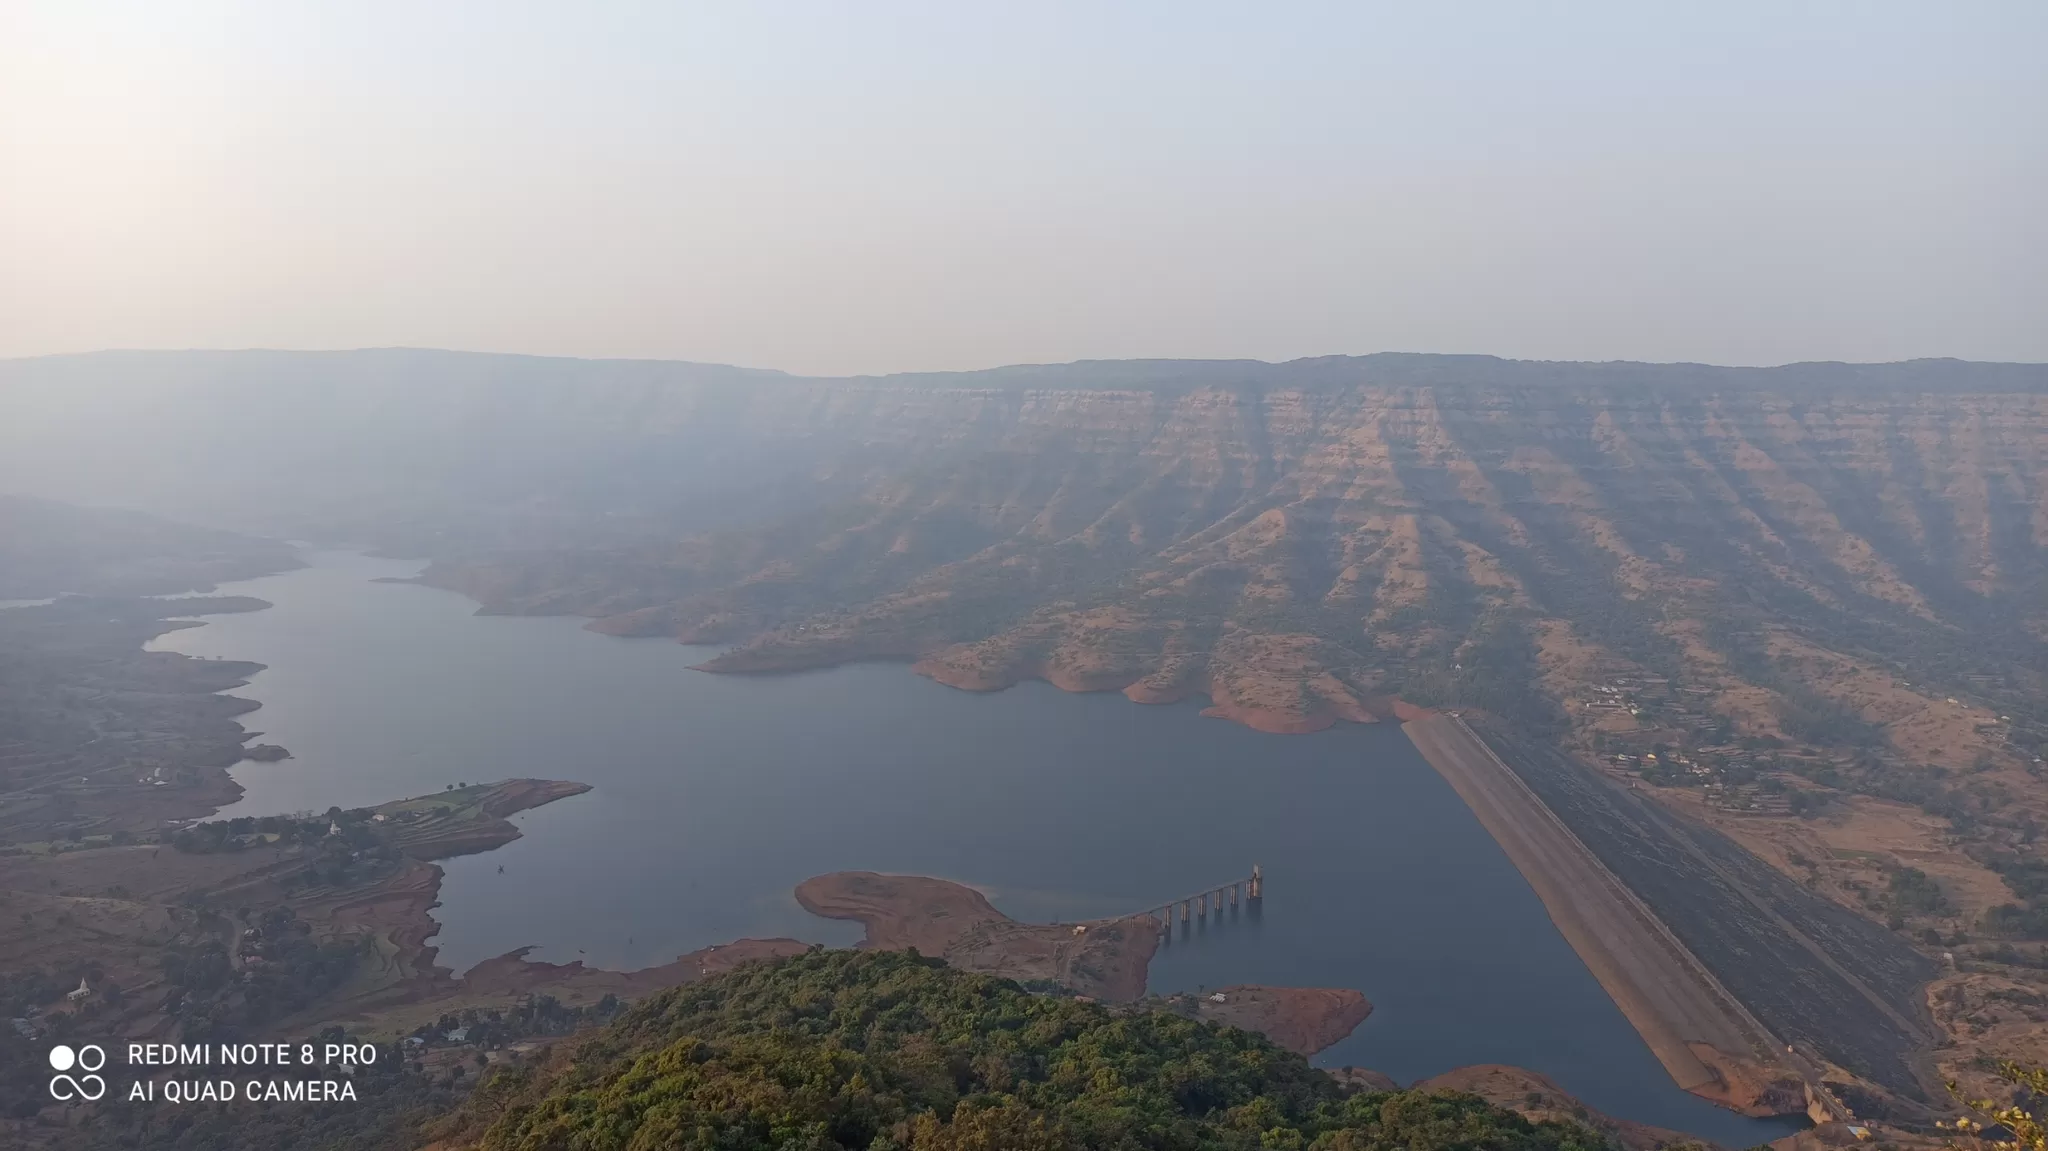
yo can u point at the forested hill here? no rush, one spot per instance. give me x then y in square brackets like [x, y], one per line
[843, 1049]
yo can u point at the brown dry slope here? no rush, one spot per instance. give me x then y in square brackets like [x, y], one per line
[1304, 1020]
[1299, 542]
[1288, 539]
[1104, 958]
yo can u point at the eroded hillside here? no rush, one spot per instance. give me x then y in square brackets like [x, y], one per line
[1794, 560]
[1798, 613]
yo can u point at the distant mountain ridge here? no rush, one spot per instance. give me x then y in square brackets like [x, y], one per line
[419, 449]
[1322, 534]
[1420, 369]
[1384, 369]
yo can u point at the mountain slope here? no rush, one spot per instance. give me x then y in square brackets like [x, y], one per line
[49, 549]
[1806, 604]
[1296, 553]
[880, 1050]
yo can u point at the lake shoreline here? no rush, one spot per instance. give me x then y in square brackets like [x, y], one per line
[862, 733]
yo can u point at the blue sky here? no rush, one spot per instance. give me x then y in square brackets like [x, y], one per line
[874, 187]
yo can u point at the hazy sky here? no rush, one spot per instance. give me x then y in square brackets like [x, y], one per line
[855, 187]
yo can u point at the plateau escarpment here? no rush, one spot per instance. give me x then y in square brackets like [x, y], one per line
[1807, 606]
[1301, 555]
[1107, 959]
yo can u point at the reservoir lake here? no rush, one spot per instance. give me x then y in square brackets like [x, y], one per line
[715, 795]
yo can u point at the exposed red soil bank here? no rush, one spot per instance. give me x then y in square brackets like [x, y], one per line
[1304, 1020]
[1104, 958]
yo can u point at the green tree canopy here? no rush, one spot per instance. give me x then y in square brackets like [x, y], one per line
[858, 1050]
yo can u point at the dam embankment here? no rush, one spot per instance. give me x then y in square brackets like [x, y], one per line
[1698, 942]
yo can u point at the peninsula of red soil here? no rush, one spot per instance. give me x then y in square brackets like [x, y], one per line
[1304, 1020]
[1104, 958]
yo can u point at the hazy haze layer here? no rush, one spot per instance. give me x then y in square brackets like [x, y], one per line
[832, 189]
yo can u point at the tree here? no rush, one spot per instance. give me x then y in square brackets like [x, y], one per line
[841, 1049]
[2024, 1127]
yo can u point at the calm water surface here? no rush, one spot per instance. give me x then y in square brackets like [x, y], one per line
[715, 795]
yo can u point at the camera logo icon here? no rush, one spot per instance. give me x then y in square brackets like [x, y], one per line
[66, 1088]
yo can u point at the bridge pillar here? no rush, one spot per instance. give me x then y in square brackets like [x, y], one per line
[1183, 912]
[1257, 884]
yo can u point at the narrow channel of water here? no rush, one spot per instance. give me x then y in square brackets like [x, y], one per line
[715, 795]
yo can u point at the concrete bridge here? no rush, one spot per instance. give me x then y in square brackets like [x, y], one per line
[1249, 893]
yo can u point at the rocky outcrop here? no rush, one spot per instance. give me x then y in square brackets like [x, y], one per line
[1535, 1097]
[1106, 959]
